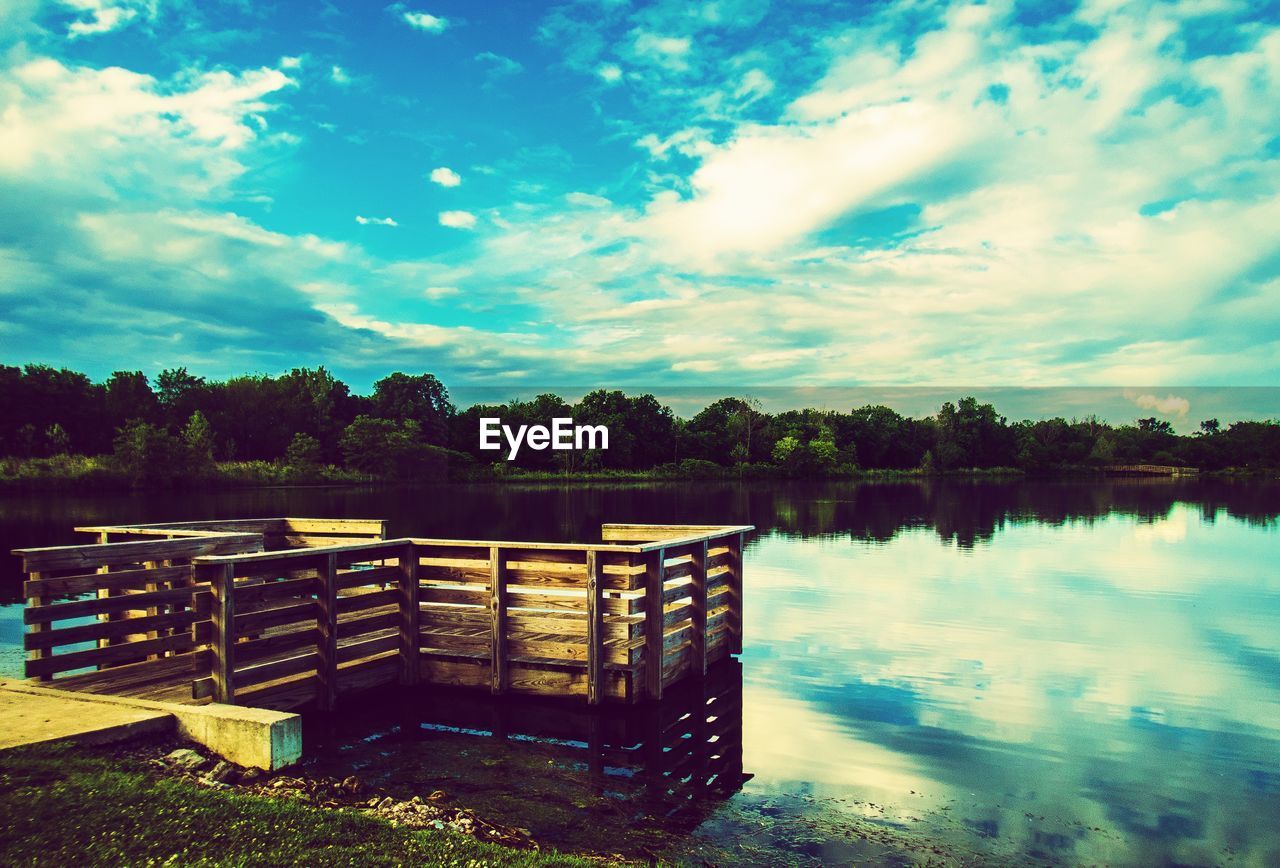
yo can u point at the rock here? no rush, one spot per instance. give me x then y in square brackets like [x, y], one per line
[351, 785]
[186, 759]
[373, 803]
[223, 773]
[386, 803]
[251, 776]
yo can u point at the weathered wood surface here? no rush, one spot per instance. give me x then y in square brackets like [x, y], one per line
[304, 625]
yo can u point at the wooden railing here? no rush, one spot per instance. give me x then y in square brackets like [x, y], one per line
[617, 620]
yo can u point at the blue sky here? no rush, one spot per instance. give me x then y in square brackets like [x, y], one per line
[672, 195]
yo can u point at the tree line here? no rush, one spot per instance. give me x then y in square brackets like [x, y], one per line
[309, 423]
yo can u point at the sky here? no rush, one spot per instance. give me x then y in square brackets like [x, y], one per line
[721, 195]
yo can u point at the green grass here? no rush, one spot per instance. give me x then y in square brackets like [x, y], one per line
[65, 806]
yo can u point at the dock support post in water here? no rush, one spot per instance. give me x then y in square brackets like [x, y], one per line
[595, 631]
[655, 591]
[410, 640]
[498, 621]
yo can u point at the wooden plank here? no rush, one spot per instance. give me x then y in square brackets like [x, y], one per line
[653, 655]
[349, 526]
[456, 596]
[547, 622]
[327, 669]
[698, 594]
[276, 644]
[454, 616]
[248, 594]
[369, 647]
[348, 579]
[277, 616]
[112, 554]
[38, 614]
[348, 603]
[408, 615]
[106, 630]
[69, 586]
[349, 626]
[595, 638]
[273, 670]
[308, 541]
[222, 586]
[498, 599]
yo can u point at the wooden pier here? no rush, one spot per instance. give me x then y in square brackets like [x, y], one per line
[288, 613]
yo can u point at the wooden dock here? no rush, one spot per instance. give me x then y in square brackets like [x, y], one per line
[288, 613]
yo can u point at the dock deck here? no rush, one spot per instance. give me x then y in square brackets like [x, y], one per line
[287, 613]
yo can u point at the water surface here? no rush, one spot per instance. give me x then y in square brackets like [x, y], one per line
[1058, 672]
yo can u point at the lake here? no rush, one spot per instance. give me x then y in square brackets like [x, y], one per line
[1075, 672]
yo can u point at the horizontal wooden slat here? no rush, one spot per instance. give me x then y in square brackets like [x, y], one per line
[348, 579]
[308, 541]
[246, 594]
[439, 594]
[298, 613]
[107, 630]
[102, 605]
[108, 654]
[270, 671]
[453, 616]
[370, 600]
[355, 626]
[111, 554]
[276, 644]
[68, 586]
[368, 647]
[352, 526]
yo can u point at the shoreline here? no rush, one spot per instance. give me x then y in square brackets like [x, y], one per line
[280, 478]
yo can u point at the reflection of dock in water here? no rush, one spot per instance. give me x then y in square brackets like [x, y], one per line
[1149, 470]
[673, 760]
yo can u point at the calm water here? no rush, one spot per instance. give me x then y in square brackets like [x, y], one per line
[1077, 672]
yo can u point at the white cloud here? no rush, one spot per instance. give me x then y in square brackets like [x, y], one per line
[424, 21]
[339, 76]
[668, 52]
[435, 293]
[1170, 405]
[103, 16]
[610, 73]
[445, 177]
[458, 219]
[376, 221]
[499, 65]
[587, 200]
[100, 130]
[288, 62]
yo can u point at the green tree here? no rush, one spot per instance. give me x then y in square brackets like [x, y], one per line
[304, 452]
[422, 399]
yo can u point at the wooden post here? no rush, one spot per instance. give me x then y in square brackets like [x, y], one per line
[35, 602]
[103, 539]
[698, 597]
[222, 583]
[654, 577]
[328, 644]
[736, 592]
[595, 631]
[410, 640]
[497, 620]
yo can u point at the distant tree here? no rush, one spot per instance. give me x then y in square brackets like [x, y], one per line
[970, 434]
[180, 394]
[129, 396]
[197, 437]
[304, 452]
[422, 399]
[387, 448]
[149, 454]
[56, 440]
[1209, 427]
[1155, 426]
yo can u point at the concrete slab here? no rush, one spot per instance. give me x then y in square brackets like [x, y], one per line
[27, 718]
[256, 737]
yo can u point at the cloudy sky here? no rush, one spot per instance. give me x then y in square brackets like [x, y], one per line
[667, 194]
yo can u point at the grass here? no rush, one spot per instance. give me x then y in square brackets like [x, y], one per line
[81, 807]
